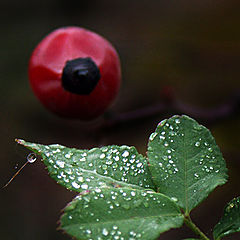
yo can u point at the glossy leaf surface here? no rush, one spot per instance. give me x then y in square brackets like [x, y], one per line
[185, 161]
[82, 170]
[230, 222]
[120, 214]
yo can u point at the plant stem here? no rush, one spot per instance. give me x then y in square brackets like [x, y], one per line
[226, 110]
[194, 228]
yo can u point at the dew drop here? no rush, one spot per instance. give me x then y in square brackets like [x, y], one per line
[104, 167]
[105, 232]
[109, 162]
[67, 155]
[47, 154]
[177, 120]
[133, 193]
[197, 144]
[210, 149]
[174, 199]
[229, 207]
[196, 175]
[152, 136]
[165, 158]
[162, 122]
[32, 157]
[115, 165]
[139, 165]
[125, 154]
[61, 164]
[75, 185]
[162, 137]
[84, 186]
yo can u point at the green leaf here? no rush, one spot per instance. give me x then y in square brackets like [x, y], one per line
[230, 222]
[185, 161]
[120, 214]
[82, 170]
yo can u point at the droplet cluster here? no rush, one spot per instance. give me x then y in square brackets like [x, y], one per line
[110, 166]
[184, 156]
[120, 213]
[125, 165]
[161, 148]
[233, 207]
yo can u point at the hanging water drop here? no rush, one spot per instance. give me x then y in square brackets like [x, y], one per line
[32, 157]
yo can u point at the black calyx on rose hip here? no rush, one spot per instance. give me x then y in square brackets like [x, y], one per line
[80, 76]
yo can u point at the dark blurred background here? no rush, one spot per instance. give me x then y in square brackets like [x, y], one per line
[191, 46]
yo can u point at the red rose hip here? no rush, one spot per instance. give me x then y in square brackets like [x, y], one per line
[75, 73]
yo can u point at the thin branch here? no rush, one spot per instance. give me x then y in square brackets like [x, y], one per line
[209, 116]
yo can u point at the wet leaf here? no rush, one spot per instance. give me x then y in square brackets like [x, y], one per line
[230, 222]
[120, 214]
[185, 161]
[82, 170]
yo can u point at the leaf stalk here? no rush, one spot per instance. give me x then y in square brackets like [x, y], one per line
[188, 221]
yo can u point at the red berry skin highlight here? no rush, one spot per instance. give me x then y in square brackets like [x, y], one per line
[49, 59]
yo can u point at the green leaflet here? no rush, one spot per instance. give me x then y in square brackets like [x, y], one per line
[82, 170]
[120, 214]
[230, 222]
[185, 161]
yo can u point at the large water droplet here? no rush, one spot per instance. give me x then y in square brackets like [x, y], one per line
[32, 157]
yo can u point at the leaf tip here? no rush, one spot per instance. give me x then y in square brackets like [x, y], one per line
[19, 141]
